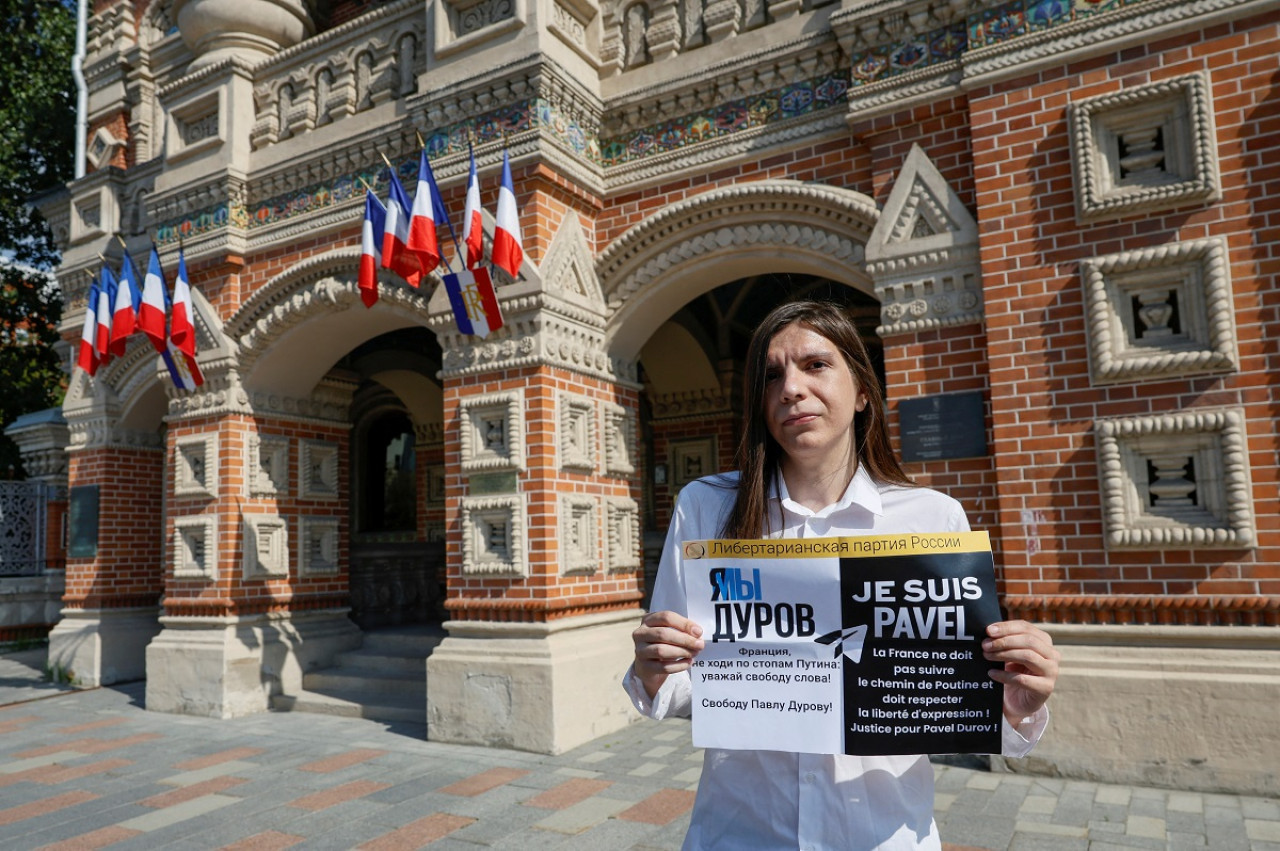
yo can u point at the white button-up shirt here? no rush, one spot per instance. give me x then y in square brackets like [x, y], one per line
[779, 800]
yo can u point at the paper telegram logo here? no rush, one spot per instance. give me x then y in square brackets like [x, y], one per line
[848, 641]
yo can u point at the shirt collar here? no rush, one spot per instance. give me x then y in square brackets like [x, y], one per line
[862, 492]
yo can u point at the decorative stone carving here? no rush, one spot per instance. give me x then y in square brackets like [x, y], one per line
[623, 530]
[195, 466]
[463, 24]
[620, 435]
[577, 433]
[318, 546]
[267, 465]
[195, 550]
[317, 469]
[923, 253]
[823, 223]
[579, 534]
[1160, 311]
[195, 125]
[1145, 148]
[103, 147]
[265, 550]
[493, 536]
[1176, 481]
[491, 428]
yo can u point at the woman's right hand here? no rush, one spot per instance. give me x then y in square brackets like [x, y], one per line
[665, 644]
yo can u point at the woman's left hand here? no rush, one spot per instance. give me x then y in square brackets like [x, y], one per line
[1030, 666]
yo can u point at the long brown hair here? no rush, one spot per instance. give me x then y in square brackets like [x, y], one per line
[759, 454]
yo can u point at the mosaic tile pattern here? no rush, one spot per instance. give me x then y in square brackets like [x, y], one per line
[981, 29]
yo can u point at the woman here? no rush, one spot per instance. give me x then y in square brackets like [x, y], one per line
[815, 461]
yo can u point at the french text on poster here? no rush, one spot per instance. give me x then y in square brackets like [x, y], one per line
[861, 645]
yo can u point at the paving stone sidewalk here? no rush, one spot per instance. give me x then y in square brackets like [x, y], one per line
[93, 769]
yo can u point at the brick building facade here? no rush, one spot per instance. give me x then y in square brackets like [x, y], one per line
[1067, 208]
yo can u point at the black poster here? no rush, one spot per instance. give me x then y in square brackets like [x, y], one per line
[921, 684]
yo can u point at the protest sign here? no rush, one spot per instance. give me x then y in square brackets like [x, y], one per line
[867, 645]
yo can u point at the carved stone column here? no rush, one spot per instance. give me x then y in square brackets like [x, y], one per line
[542, 507]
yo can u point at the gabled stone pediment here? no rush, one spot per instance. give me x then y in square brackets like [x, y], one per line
[923, 253]
[569, 270]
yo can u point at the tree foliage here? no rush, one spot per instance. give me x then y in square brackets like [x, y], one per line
[37, 148]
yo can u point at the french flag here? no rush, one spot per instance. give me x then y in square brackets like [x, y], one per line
[88, 356]
[183, 369]
[155, 299]
[423, 239]
[472, 222]
[106, 298]
[182, 329]
[475, 307]
[123, 310]
[396, 255]
[375, 222]
[507, 251]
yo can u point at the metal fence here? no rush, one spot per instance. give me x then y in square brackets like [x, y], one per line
[24, 517]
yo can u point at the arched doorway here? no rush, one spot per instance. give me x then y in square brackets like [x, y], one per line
[397, 556]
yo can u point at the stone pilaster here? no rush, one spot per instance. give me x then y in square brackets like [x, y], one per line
[542, 490]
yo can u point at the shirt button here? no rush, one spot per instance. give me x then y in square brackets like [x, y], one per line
[809, 778]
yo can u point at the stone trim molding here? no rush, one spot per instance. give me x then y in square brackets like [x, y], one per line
[491, 430]
[620, 434]
[579, 535]
[267, 459]
[318, 546]
[822, 227]
[1166, 610]
[317, 469]
[622, 530]
[1119, 170]
[195, 547]
[265, 547]
[492, 615]
[923, 253]
[576, 448]
[1151, 500]
[1188, 279]
[320, 284]
[195, 466]
[493, 536]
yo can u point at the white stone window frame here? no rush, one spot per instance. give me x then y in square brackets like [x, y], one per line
[95, 213]
[1198, 272]
[1218, 443]
[578, 521]
[619, 440]
[184, 113]
[449, 24]
[472, 415]
[576, 447]
[325, 453]
[623, 533]
[255, 562]
[267, 465]
[1182, 108]
[186, 530]
[326, 530]
[185, 483]
[478, 514]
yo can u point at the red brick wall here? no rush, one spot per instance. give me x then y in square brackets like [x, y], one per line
[544, 593]
[1043, 401]
[230, 592]
[127, 570]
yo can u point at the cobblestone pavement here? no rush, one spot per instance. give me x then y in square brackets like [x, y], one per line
[92, 769]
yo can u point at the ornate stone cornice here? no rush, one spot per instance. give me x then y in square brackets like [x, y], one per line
[691, 404]
[1137, 609]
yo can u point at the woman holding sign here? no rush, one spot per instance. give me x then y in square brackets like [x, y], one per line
[815, 462]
